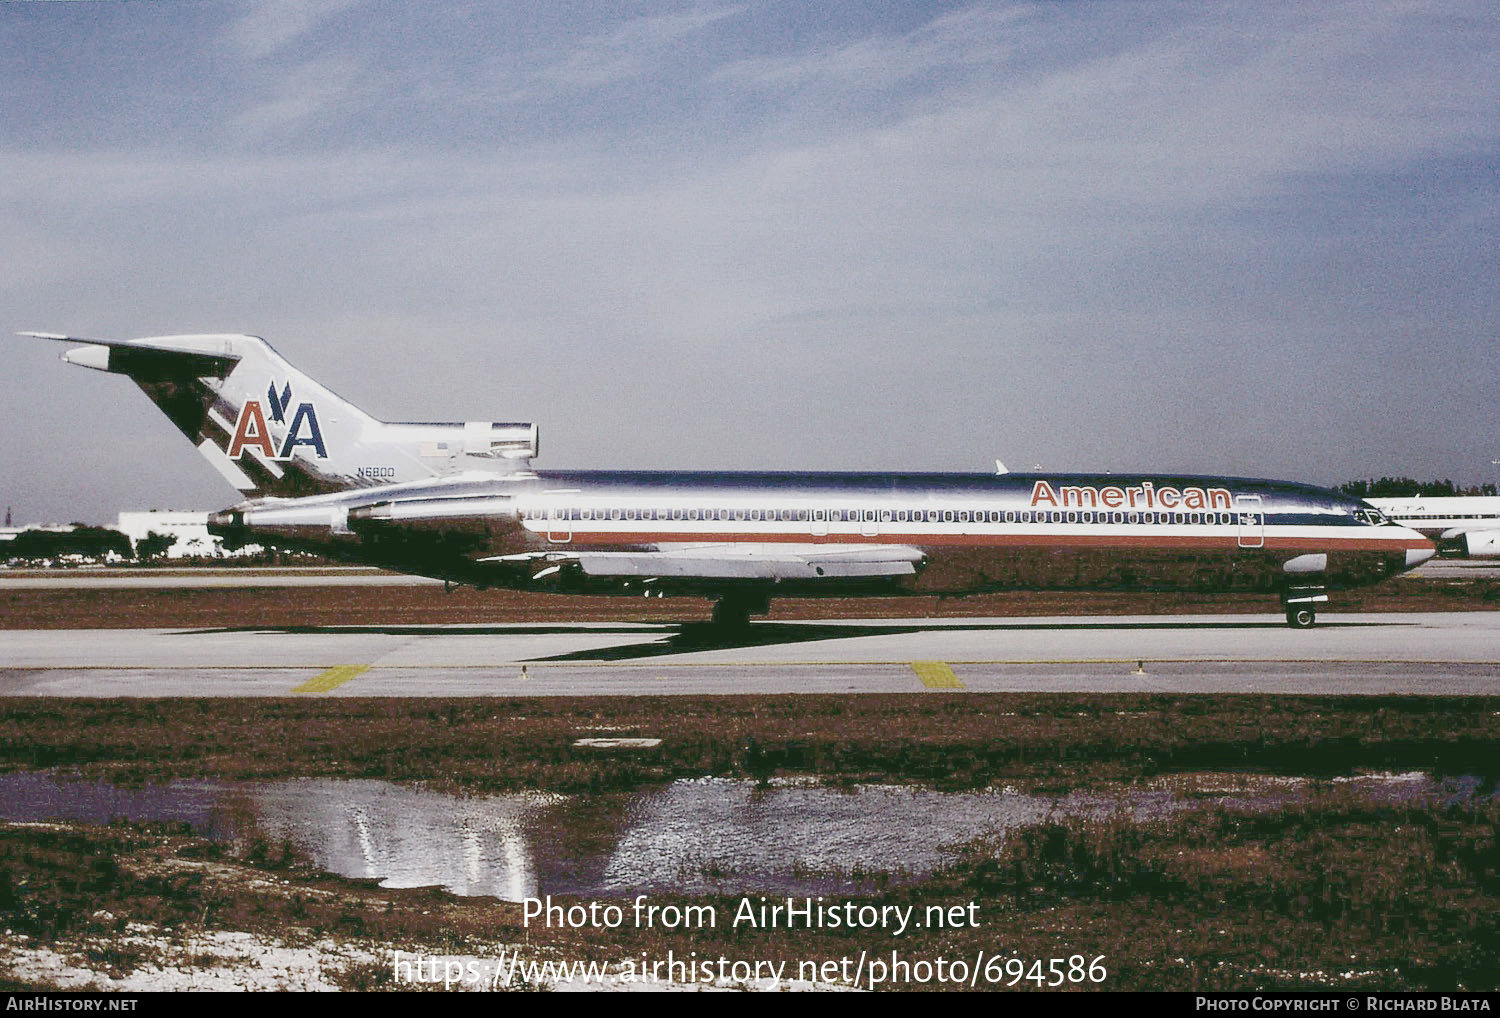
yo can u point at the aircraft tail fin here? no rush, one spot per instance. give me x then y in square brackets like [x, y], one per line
[269, 429]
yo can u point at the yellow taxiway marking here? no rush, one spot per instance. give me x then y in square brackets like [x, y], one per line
[331, 679]
[936, 675]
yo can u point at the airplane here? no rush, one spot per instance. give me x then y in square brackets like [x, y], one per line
[461, 502]
[1466, 526]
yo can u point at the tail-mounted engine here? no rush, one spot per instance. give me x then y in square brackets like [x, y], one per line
[448, 448]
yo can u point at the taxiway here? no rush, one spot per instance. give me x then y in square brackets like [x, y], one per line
[1371, 653]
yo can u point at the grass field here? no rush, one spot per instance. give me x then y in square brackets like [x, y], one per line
[1056, 741]
[1326, 891]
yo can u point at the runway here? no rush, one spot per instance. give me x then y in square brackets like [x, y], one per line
[1405, 653]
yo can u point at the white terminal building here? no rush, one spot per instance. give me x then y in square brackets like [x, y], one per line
[189, 527]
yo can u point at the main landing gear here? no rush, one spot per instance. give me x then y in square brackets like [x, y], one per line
[733, 611]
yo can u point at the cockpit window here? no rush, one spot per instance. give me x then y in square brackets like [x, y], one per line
[1371, 517]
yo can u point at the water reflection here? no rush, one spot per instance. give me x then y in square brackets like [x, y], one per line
[712, 834]
[693, 836]
[408, 837]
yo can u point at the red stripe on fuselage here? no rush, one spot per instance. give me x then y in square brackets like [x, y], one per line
[1058, 540]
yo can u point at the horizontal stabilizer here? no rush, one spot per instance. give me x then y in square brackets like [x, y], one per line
[200, 355]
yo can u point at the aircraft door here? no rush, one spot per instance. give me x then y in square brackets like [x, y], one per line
[559, 529]
[1252, 521]
[819, 522]
[869, 522]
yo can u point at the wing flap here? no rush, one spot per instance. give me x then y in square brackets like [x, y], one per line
[755, 562]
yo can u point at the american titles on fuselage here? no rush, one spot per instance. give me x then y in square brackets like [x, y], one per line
[1141, 496]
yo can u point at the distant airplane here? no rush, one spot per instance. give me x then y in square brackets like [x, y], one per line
[461, 502]
[1464, 526]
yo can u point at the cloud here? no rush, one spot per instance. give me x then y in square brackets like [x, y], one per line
[319, 93]
[976, 37]
[1053, 232]
[635, 49]
[271, 26]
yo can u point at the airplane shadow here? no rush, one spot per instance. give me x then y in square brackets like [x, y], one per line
[696, 637]
[692, 637]
[498, 629]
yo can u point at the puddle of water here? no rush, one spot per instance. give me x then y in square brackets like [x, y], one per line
[707, 835]
[711, 834]
[38, 796]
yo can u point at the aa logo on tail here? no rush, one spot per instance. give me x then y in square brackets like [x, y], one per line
[252, 432]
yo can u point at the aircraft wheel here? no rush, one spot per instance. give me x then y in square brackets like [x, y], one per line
[1301, 617]
[733, 611]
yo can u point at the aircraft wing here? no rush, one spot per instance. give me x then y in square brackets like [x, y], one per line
[698, 560]
[739, 561]
[755, 561]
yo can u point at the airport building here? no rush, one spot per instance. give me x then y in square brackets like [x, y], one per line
[190, 528]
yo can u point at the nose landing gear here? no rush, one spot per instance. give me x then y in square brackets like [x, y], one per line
[1300, 603]
[1300, 616]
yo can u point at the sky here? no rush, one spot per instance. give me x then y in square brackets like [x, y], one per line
[1249, 239]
